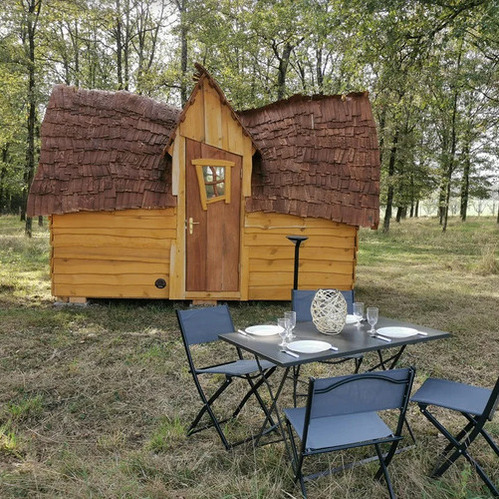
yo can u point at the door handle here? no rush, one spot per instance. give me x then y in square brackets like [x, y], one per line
[192, 223]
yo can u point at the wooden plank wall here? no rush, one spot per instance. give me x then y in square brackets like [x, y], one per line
[121, 254]
[112, 254]
[327, 258]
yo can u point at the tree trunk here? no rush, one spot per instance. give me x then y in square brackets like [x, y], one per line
[3, 176]
[451, 165]
[182, 10]
[33, 13]
[465, 183]
[452, 155]
[398, 217]
[283, 70]
[76, 45]
[382, 122]
[183, 65]
[119, 46]
[441, 205]
[416, 214]
[318, 71]
[391, 173]
[126, 49]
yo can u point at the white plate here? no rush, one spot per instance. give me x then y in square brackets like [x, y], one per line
[397, 332]
[309, 346]
[351, 319]
[264, 330]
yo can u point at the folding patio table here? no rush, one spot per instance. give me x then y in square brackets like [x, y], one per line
[353, 339]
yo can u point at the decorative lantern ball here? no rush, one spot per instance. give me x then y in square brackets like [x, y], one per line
[329, 311]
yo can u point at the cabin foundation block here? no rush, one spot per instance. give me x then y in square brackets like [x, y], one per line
[79, 300]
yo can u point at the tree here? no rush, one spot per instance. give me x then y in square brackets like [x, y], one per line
[430, 69]
[279, 29]
[31, 13]
[12, 129]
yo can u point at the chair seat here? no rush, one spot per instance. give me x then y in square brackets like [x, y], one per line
[237, 368]
[340, 430]
[453, 395]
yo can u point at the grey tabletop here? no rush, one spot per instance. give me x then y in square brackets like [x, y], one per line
[352, 340]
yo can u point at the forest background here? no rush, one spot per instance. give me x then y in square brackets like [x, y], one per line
[430, 67]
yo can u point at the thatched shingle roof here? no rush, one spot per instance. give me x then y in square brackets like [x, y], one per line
[316, 156]
[102, 151]
[319, 158]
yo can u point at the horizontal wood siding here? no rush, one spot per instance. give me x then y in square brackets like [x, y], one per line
[112, 254]
[327, 258]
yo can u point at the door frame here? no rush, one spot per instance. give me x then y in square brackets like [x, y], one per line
[235, 295]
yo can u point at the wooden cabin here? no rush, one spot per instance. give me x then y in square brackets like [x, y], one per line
[149, 201]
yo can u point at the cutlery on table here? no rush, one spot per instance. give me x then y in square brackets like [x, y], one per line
[244, 333]
[290, 353]
[379, 337]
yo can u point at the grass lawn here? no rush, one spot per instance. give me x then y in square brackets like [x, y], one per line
[95, 400]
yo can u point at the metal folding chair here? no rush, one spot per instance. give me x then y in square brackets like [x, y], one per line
[477, 405]
[342, 413]
[201, 326]
[301, 300]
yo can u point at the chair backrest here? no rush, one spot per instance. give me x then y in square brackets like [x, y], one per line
[366, 392]
[493, 402]
[203, 325]
[301, 299]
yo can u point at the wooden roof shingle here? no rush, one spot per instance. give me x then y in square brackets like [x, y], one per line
[102, 151]
[319, 158]
[316, 156]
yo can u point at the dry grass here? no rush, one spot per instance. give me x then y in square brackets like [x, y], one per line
[488, 263]
[94, 401]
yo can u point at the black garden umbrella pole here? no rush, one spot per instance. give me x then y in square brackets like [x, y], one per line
[297, 240]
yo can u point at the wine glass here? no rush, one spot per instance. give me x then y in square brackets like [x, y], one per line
[283, 322]
[291, 315]
[372, 318]
[358, 311]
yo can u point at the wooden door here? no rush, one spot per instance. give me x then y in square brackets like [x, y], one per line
[213, 208]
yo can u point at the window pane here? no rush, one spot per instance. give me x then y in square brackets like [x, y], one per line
[220, 173]
[221, 189]
[214, 181]
[208, 174]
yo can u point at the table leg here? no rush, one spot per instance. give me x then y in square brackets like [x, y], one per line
[274, 407]
[393, 360]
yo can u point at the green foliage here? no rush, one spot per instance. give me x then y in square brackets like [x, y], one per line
[168, 435]
[9, 442]
[429, 68]
[25, 408]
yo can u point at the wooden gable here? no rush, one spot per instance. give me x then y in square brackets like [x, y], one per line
[207, 119]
